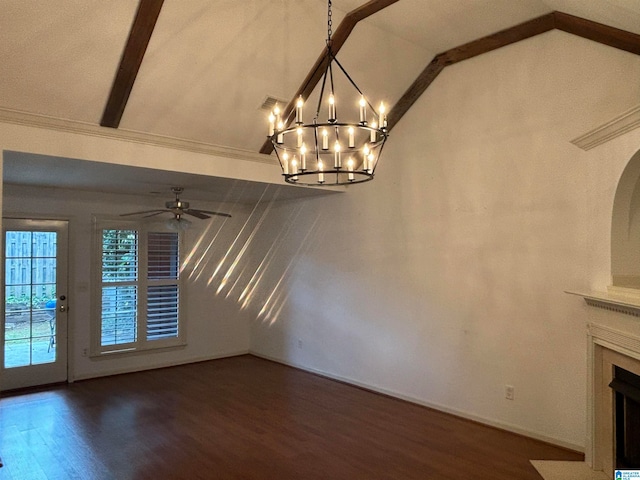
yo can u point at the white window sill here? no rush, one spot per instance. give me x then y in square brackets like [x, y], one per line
[126, 352]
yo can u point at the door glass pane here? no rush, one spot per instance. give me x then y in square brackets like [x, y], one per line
[16, 353]
[43, 347]
[30, 293]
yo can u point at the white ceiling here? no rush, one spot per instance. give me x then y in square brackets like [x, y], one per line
[211, 63]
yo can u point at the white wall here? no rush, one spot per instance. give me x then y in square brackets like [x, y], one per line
[442, 281]
[215, 328]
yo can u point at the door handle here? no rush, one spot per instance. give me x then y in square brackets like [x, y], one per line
[63, 307]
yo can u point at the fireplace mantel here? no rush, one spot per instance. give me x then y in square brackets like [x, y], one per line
[614, 323]
[613, 332]
[620, 300]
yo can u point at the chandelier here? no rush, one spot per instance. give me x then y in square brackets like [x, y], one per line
[329, 150]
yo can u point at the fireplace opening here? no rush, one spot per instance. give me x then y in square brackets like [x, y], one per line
[626, 386]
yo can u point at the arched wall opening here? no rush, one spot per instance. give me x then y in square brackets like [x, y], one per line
[625, 229]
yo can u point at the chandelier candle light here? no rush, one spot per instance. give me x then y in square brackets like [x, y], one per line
[307, 151]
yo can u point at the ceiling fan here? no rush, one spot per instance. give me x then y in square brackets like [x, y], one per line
[178, 208]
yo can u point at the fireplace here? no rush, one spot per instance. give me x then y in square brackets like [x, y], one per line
[613, 331]
[614, 410]
[626, 412]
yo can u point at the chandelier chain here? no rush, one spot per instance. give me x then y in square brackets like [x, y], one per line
[329, 23]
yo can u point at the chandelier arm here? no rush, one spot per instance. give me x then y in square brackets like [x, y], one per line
[290, 113]
[378, 157]
[331, 85]
[317, 150]
[331, 58]
[351, 81]
[324, 81]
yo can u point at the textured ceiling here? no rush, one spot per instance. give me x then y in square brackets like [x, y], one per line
[210, 63]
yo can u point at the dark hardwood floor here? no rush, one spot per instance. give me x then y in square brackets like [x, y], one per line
[247, 418]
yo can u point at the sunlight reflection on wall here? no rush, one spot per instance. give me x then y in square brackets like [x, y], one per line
[243, 259]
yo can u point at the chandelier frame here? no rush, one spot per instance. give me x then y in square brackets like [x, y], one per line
[331, 152]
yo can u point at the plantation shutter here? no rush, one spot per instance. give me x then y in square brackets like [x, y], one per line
[119, 291]
[162, 285]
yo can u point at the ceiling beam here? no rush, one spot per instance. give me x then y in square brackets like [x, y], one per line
[463, 52]
[501, 39]
[416, 89]
[582, 27]
[598, 32]
[338, 39]
[139, 36]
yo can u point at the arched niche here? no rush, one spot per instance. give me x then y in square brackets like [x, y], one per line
[625, 228]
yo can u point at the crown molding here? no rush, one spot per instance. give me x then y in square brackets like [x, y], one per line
[17, 117]
[620, 125]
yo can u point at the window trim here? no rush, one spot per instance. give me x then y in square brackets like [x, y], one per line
[141, 345]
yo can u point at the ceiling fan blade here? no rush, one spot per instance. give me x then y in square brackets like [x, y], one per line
[142, 212]
[196, 213]
[178, 208]
[220, 214]
[154, 214]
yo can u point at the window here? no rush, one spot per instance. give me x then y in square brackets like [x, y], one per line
[139, 294]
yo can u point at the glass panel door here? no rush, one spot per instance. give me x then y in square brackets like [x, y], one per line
[35, 304]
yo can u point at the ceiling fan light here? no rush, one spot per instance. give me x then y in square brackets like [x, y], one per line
[178, 224]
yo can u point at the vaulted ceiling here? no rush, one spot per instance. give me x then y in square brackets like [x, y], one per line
[209, 65]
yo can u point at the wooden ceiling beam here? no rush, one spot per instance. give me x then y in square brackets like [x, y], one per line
[416, 89]
[501, 39]
[134, 51]
[597, 32]
[338, 39]
[463, 52]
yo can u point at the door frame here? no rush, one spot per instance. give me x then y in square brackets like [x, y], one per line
[35, 375]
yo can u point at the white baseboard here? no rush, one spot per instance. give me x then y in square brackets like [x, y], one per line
[185, 361]
[436, 406]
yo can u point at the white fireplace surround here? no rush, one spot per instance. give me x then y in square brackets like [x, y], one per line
[613, 333]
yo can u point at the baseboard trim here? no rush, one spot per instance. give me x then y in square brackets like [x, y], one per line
[435, 406]
[121, 371]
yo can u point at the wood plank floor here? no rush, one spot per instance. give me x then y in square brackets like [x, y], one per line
[247, 418]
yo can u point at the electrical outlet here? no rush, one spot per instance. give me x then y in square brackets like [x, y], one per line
[85, 352]
[509, 392]
[300, 343]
